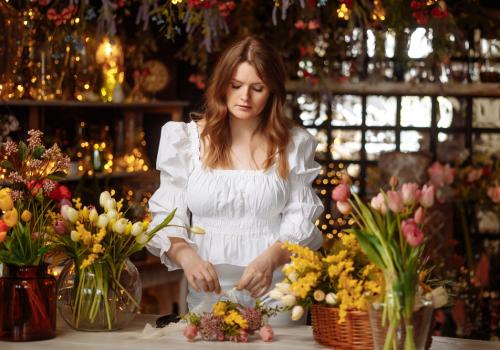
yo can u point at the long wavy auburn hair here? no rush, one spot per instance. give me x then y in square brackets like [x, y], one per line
[274, 125]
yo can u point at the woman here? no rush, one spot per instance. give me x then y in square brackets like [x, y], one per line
[243, 174]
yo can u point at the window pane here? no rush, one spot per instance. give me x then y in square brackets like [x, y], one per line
[378, 142]
[414, 141]
[451, 112]
[309, 114]
[346, 144]
[486, 113]
[486, 144]
[380, 111]
[346, 110]
[416, 111]
[450, 147]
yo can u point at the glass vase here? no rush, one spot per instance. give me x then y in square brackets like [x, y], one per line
[100, 297]
[420, 321]
[28, 310]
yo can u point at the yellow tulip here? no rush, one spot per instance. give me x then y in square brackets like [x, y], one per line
[6, 202]
[26, 216]
[11, 217]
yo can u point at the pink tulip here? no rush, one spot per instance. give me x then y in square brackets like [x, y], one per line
[266, 333]
[413, 235]
[393, 181]
[60, 227]
[494, 194]
[341, 193]
[419, 216]
[344, 207]
[427, 196]
[190, 332]
[409, 193]
[440, 174]
[378, 203]
[474, 175]
[395, 202]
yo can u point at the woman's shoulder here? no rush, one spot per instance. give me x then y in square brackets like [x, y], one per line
[301, 137]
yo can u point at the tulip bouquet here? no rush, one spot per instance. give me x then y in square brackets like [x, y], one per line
[230, 321]
[389, 230]
[342, 278]
[29, 171]
[99, 245]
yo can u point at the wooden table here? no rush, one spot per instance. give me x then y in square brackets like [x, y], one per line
[287, 338]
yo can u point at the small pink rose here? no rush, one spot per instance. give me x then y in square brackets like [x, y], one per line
[243, 336]
[266, 333]
[190, 332]
[494, 194]
[409, 193]
[427, 196]
[300, 24]
[412, 234]
[440, 174]
[344, 207]
[395, 202]
[419, 216]
[341, 193]
[313, 24]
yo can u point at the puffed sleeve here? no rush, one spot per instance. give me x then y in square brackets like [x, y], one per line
[303, 206]
[174, 161]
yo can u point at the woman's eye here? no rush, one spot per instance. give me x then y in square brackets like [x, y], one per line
[258, 89]
[235, 86]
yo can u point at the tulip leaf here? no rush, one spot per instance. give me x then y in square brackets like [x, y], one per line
[369, 249]
[23, 151]
[38, 151]
[6, 165]
[57, 176]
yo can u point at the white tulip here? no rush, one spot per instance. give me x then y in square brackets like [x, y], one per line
[75, 236]
[293, 276]
[69, 213]
[289, 300]
[136, 229]
[103, 197]
[120, 225]
[112, 214]
[142, 238]
[102, 221]
[109, 204]
[319, 295]
[276, 294]
[93, 215]
[331, 299]
[282, 287]
[297, 312]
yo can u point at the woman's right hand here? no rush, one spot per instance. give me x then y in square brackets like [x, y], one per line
[200, 274]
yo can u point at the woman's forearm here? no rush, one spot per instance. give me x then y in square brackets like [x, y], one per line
[181, 252]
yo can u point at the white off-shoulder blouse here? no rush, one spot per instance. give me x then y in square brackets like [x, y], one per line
[242, 211]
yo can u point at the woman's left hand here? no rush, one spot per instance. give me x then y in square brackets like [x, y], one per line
[258, 275]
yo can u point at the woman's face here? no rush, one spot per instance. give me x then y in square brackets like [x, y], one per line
[246, 95]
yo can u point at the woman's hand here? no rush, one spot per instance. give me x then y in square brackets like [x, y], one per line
[258, 275]
[200, 274]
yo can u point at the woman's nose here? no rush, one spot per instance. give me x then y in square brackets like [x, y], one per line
[245, 94]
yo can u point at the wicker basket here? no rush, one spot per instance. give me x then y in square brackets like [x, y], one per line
[353, 334]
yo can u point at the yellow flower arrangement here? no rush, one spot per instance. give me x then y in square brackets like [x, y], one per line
[341, 277]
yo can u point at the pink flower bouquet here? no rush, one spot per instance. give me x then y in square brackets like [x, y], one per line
[389, 230]
[230, 321]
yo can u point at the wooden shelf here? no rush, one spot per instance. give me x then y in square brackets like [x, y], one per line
[113, 175]
[398, 89]
[77, 104]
